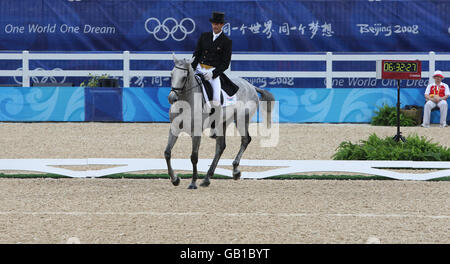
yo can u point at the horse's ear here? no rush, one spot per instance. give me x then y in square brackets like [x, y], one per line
[174, 58]
[187, 61]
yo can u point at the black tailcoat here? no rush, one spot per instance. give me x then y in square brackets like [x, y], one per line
[217, 54]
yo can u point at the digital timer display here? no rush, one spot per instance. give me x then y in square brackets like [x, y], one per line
[399, 69]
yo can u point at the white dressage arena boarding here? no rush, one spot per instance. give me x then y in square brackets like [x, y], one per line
[378, 168]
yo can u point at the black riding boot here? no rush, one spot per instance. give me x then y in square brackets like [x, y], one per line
[213, 132]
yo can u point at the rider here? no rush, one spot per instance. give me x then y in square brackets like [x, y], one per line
[212, 57]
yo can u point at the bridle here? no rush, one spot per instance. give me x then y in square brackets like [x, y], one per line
[182, 89]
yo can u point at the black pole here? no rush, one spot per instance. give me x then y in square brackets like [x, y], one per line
[399, 136]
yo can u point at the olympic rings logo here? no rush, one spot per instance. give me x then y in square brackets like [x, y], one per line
[43, 79]
[154, 26]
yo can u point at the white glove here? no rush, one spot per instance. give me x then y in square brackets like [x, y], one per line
[208, 76]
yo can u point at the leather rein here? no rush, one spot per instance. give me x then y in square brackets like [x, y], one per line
[182, 89]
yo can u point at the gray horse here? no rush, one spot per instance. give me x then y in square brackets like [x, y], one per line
[187, 89]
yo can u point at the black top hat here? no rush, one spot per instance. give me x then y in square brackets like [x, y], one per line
[217, 17]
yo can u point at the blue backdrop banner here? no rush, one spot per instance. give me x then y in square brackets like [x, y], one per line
[42, 104]
[315, 105]
[173, 25]
[150, 104]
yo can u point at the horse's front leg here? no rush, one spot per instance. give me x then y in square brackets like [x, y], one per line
[220, 147]
[194, 160]
[167, 154]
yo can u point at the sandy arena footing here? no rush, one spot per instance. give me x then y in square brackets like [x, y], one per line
[244, 211]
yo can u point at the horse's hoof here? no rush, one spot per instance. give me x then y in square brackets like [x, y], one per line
[236, 175]
[205, 184]
[176, 182]
[192, 187]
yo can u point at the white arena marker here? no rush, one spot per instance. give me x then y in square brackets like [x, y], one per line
[73, 240]
[371, 167]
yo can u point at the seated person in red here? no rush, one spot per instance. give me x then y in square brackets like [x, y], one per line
[436, 95]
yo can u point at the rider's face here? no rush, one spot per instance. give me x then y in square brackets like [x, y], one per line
[217, 27]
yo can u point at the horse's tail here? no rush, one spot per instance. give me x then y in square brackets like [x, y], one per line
[267, 106]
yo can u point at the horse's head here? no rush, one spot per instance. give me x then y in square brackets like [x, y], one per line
[180, 76]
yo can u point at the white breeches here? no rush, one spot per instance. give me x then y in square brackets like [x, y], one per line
[429, 105]
[215, 83]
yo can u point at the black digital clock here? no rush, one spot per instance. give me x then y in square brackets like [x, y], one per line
[399, 69]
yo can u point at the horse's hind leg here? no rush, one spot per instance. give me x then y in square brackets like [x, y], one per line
[167, 154]
[245, 140]
[194, 160]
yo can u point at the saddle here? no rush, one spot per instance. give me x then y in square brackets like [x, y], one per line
[226, 84]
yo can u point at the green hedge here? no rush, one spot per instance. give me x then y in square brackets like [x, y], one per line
[387, 116]
[415, 148]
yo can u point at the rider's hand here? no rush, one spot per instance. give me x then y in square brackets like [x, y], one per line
[208, 76]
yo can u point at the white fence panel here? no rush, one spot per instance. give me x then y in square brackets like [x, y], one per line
[126, 57]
